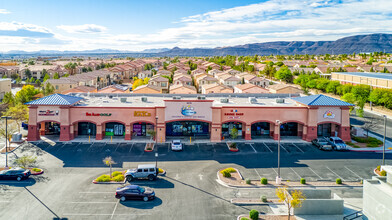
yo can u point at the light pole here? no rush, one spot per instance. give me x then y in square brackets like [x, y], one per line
[6, 139]
[278, 179]
[156, 129]
[156, 160]
[385, 134]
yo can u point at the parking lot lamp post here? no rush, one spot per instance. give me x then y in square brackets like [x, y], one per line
[6, 139]
[156, 160]
[156, 129]
[278, 179]
[385, 133]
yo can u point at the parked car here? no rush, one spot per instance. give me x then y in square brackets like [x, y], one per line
[176, 145]
[15, 174]
[149, 171]
[322, 144]
[135, 192]
[337, 143]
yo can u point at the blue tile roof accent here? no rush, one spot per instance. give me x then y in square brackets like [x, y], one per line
[320, 100]
[387, 76]
[56, 99]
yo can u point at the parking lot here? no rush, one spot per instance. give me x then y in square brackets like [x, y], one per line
[189, 190]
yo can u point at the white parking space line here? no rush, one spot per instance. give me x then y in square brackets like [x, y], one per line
[281, 145]
[335, 173]
[267, 147]
[168, 147]
[115, 207]
[116, 147]
[253, 148]
[274, 170]
[353, 173]
[257, 173]
[295, 173]
[298, 148]
[315, 173]
[94, 214]
[94, 192]
[130, 148]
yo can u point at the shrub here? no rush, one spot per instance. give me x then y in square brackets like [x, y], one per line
[378, 168]
[233, 145]
[302, 181]
[119, 178]
[103, 178]
[247, 181]
[116, 173]
[37, 170]
[383, 173]
[254, 214]
[226, 173]
[148, 148]
[230, 170]
[263, 198]
[160, 170]
[264, 181]
[338, 181]
[372, 144]
[244, 218]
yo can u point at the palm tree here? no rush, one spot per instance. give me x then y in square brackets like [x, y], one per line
[108, 161]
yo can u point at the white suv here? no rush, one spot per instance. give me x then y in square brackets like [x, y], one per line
[176, 145]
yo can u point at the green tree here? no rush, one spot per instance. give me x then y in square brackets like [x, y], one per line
[284, 74]
[9, 99]
[28, 73]
[322, 84]
[26, 94]
[19, 114]
[350, 98]
[48, 89]
[56, 75]
[234, 133]
[46, 77]
[332, 87]
[14, 76]
[38, 82]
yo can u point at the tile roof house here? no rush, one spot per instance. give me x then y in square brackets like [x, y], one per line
[284, 88]
[80, 89]
[114, 89]
[215, 88]
[144, 74]
[182, 79]
[147, 89]
[182, 89]
[249, 88]
[160, 82]
[229, 80]
[205, 80]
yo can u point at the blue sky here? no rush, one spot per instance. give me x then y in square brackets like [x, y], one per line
[137, 25]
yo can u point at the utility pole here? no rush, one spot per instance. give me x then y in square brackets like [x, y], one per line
[278, 178]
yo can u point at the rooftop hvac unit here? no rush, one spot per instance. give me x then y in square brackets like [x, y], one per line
[279, 100]
[123, 99]
[202, 97]
[177, 97]
[144, 99]
[252, 100]
[224, 100]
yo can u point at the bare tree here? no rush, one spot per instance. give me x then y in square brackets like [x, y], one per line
[370, 124]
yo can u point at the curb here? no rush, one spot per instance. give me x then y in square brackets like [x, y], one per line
[230, 149]
[256, 203]
[35, 174]
[95, 182]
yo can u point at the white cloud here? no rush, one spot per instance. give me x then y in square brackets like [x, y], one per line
[273, 20]
[18, 29]
[84, 29]
[4, 11]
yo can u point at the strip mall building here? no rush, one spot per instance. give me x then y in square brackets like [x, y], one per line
[213, 117]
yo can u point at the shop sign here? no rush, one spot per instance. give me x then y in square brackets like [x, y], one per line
[187, 110]
[48, 113]
[98, 114]
[141, 114]
[233, 112]
[329, 114]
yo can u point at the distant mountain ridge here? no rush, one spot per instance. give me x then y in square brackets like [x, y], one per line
[347, 45]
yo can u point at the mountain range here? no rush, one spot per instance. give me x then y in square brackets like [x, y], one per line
[346, 45]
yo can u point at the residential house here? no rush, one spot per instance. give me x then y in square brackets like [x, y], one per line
[252, 79]
[144, 74]
[204, 79]
[249, 88]
[229, 80]
[115, 89]
[182, 79]
[80, 89]
[215, 88]
[5, 86]
[214, 72]
[9, 70]
[182, 89]
[147, 89]
[284, 88]
[160, 82]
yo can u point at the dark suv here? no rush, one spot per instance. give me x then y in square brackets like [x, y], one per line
[14, 174]
[135, 192]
